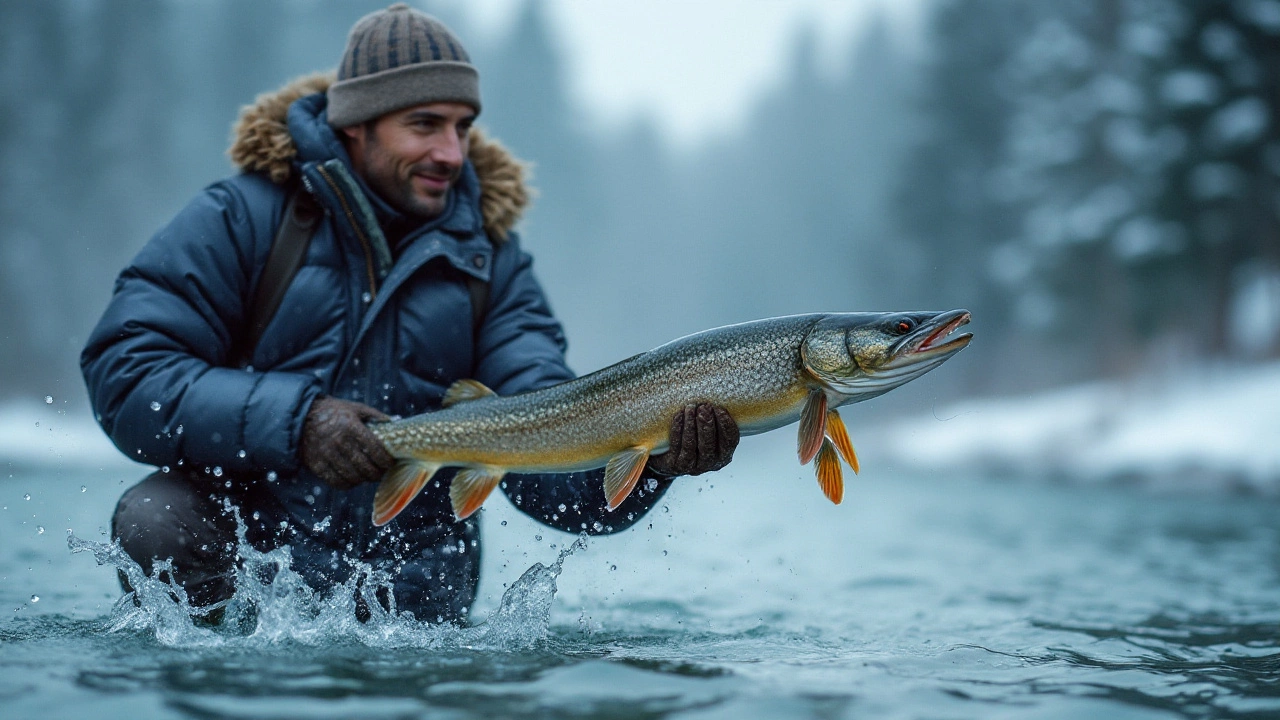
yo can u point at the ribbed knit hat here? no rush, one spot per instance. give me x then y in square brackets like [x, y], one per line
[397, 58]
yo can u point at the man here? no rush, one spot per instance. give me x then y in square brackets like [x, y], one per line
[412, 279]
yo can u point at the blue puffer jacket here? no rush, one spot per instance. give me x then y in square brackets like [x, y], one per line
[379, 312]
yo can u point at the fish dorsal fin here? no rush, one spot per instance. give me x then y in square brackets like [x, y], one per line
[464, 391]
[621, 474]
[813, 421]
[830, 478]
[840, 438]
[401, 485]
[470, 487]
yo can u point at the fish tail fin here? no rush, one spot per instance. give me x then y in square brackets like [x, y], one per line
[470, 487]
[622, 473]
[401, 485]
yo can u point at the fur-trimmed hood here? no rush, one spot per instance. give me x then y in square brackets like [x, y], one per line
[261, 143]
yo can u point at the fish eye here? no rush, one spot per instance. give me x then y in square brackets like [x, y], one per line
[904, 326]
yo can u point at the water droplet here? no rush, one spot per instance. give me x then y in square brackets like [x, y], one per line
[664, 552]
[84, 489]
[48, 399]
[35, 598]
[178, 430]
[366, 297]
[612, 568]
[39, 529]
[666, 509]
[504, 523]
[37, 423]
[155, 405]
[164, 469]
[537, 538]
[227, 484]
[26, 496]
[242, 454]
[257, 515]
[271, 476]
[217, 471]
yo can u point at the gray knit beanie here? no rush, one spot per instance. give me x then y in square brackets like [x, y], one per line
[397, 58]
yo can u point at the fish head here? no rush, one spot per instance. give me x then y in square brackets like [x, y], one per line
[863, 355]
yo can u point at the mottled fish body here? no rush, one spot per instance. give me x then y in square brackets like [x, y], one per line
[766, 374]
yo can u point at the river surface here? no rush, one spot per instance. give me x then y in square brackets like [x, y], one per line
[744, 595]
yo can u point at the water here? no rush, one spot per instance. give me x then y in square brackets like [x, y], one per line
[746, 596]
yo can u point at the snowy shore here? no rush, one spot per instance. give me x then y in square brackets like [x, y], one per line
[1209, 428]
[49, 434]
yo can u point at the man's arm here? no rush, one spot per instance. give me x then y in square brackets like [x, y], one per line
[156, 364]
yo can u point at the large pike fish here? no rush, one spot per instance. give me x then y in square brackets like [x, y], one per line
[766, 373]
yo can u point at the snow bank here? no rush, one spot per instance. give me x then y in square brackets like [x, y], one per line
[1215, 427]
[49, 435]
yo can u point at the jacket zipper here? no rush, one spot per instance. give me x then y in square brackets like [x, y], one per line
[364, 241]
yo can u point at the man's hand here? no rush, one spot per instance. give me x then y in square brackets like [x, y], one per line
[337, 446]
[703, 438]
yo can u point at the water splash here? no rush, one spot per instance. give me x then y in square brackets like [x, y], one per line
[273, 605]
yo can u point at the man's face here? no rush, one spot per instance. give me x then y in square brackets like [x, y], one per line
[412, 157]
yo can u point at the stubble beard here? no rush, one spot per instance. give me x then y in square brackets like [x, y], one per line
[397, 189]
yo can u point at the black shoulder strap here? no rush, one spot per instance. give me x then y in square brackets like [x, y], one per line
[301, 215]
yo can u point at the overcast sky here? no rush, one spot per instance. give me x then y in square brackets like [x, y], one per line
[693, 65]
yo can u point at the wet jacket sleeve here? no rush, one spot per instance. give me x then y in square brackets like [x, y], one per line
[156, 365]
[521, 347]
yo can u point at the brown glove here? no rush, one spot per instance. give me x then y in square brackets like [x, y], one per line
[703, 438]
[337, 446]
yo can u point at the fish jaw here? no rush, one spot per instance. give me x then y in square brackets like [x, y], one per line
[923, 344]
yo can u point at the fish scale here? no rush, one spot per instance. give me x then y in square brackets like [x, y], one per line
[764, 373]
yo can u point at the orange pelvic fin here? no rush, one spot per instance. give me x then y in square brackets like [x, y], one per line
[464, 390]
[840, 438]
[401, 485]
[829, 477]
[470, 487]
[622, 473]
[812, 425]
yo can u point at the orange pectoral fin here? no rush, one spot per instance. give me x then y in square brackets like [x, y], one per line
[812, 425]
[622, 473]
[465, 391]
[830, 478]
[400, 486]
[470, 487]
[840, 438]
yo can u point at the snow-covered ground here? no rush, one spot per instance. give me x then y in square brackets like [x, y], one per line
[1214, 427]
[49, 434]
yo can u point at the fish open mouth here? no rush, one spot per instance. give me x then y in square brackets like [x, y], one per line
[934, 337]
